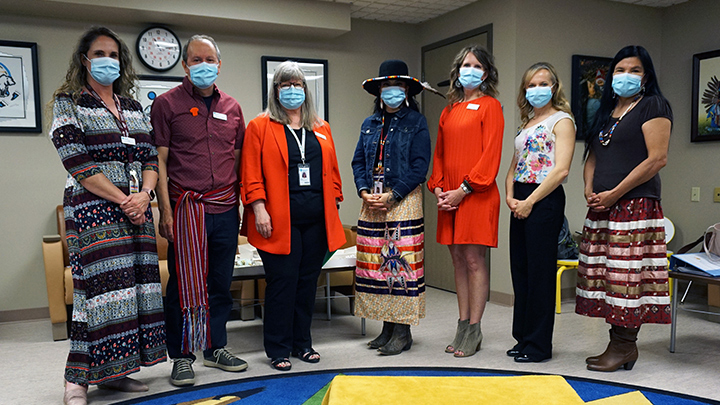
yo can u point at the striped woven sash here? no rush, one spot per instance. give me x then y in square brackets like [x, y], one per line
[191, 259]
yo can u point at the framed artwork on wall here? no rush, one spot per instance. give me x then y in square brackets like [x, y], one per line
[19, 89]
[588, 84]
[705, 118]
[150, 86]
[316, 76]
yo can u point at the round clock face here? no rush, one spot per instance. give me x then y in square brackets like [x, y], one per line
[158, 48]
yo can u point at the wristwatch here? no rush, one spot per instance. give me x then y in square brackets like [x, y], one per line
[150, 192]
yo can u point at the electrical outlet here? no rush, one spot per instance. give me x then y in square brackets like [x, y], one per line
[695, 194]
[716, 195]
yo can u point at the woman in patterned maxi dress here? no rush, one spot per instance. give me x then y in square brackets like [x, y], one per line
[389, 165]
[104, 141]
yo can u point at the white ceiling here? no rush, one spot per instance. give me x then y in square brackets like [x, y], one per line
[417, 11]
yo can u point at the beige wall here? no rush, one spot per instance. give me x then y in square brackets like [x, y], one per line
[688, 28]
[33, 178]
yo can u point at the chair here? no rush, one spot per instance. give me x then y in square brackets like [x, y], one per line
[58, 277]
[567, 264]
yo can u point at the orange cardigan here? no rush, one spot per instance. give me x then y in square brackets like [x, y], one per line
[264, 173]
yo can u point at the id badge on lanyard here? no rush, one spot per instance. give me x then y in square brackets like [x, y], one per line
[377, 187]
[303, 168]
[134, 182]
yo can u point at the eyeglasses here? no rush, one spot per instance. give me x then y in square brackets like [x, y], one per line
[286, 86]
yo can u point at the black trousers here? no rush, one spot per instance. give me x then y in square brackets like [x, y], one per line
[222, 234]
[291, 288]
[533, 265]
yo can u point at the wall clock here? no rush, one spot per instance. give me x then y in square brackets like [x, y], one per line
[158, 48]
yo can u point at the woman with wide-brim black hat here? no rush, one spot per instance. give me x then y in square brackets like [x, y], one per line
[389, 165]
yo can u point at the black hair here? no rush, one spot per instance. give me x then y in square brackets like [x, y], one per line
[608, 101]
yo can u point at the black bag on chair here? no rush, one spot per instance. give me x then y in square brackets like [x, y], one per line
[567, 247]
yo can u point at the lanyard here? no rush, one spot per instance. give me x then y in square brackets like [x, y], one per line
[301, 145]
[382, 143]
[120, 119]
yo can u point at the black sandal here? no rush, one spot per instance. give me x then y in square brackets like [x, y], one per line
[306, 355]
[277, 363]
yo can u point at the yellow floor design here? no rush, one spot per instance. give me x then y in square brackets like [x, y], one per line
[358, 390]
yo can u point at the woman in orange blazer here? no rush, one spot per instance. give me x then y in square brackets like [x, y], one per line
[291, 190]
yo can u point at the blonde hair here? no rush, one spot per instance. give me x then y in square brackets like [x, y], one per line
[488, 86]
[285, 71]
[559, 101]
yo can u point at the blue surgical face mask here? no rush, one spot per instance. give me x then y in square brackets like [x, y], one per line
[538, 96]
[470, 77]
[104, 70]
[204, 74]
[393, 96]
[626, 84]
[291, 98]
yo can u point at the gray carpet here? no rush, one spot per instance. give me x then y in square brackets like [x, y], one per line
[34, 363]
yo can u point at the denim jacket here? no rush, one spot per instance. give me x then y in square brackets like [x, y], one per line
[407, 152]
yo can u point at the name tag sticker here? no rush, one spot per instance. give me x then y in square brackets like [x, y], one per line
[127, 140]
[473, 106]
[219, 116]
[320, 135]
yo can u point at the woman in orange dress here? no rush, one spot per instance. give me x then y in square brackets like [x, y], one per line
[465, 165]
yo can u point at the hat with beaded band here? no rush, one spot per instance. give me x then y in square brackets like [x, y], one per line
[393, 69]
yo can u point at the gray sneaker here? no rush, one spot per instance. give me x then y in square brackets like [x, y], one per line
[182, 372]
[224, 360]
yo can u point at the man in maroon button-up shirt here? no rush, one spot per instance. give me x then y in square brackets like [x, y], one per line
[198, 134]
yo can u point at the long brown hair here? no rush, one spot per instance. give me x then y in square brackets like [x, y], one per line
[559, 101]
[77, 75]
[488, 86]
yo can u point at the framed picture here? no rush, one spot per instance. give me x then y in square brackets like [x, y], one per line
[588, 84]
[316, 76]
[19, 89]
[149, 87]
[705, 118]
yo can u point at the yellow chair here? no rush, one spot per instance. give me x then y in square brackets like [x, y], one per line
[567, 264]
[563, 264]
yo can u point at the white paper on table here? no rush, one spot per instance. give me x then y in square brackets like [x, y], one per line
[247, 256]
[342, 258]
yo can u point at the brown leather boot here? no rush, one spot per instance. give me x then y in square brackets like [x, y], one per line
[621, 352]
[594, 359]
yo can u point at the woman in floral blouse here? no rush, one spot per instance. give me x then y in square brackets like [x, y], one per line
[543, 152]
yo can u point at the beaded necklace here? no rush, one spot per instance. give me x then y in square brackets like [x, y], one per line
[605, 137]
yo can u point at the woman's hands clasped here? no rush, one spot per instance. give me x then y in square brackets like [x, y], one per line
[135, 206]
[449, 200]
[379, 202]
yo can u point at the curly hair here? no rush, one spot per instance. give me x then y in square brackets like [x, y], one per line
[77, 75]
[488, 86]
